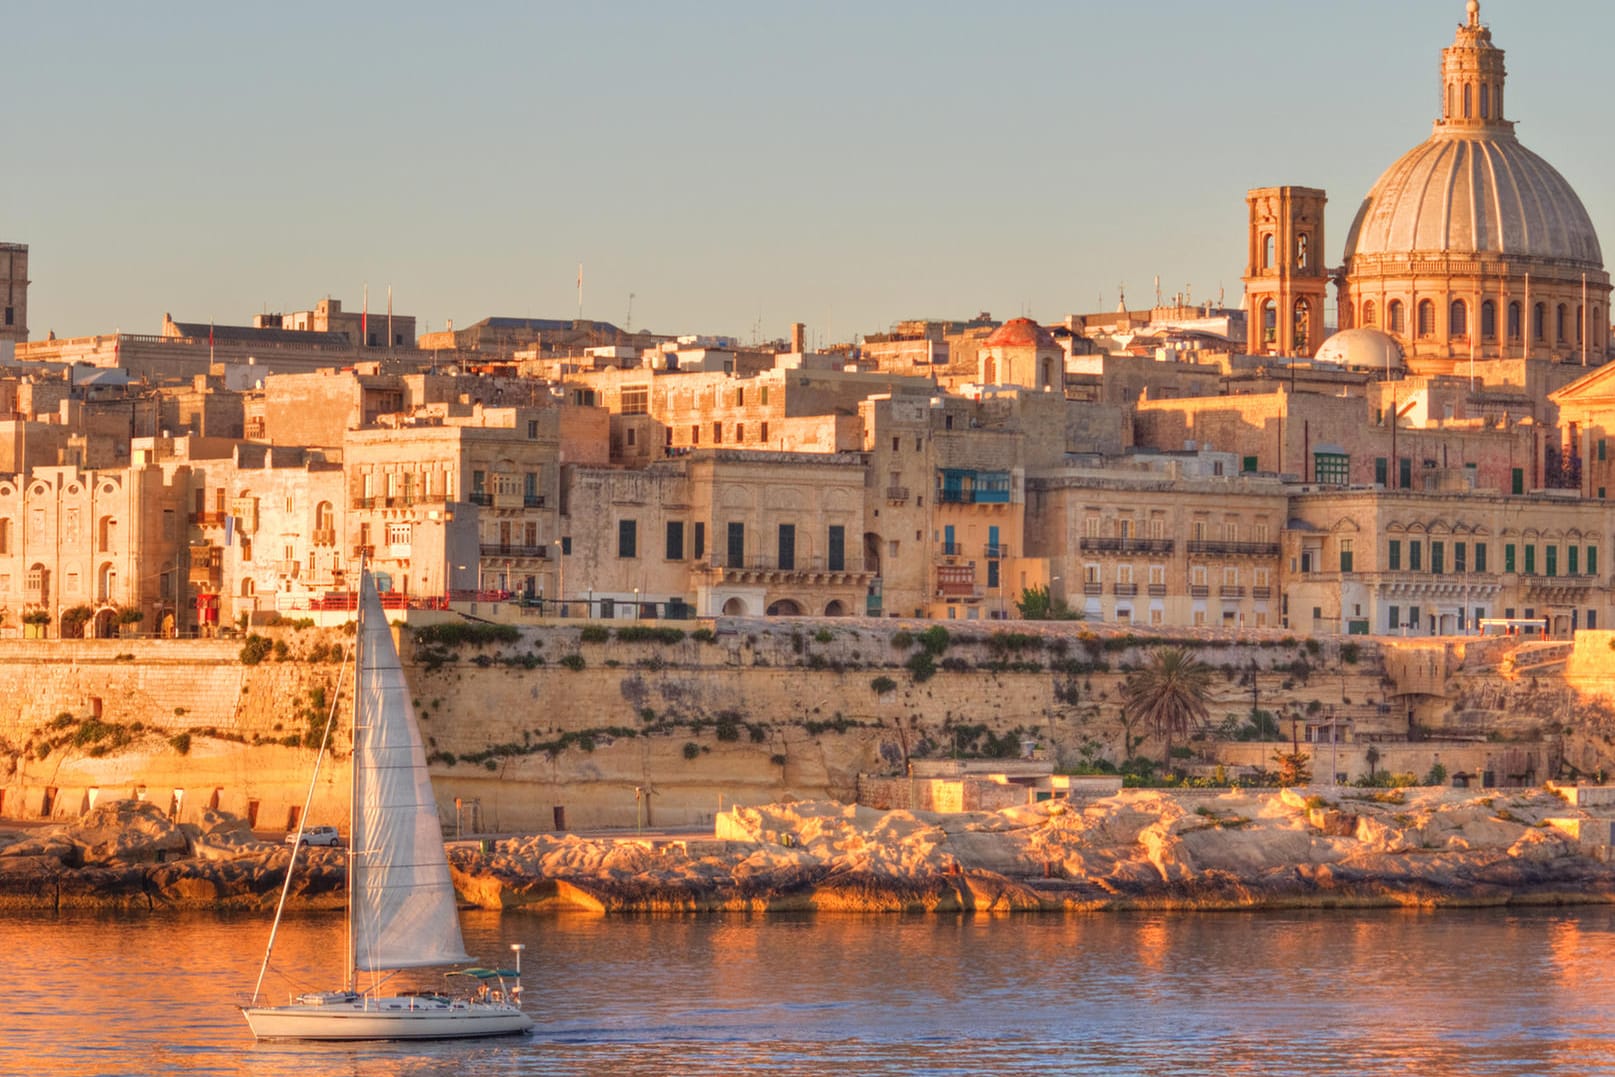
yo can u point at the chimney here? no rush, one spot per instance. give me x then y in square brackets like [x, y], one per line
[798, 338]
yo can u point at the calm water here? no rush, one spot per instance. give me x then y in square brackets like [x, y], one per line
[1286, 993]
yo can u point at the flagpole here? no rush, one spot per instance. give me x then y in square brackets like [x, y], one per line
[389, 316]
[364, 318]
[580, 291]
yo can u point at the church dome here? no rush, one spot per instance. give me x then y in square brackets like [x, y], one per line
[1474, 191]
[1020, 333]
[1362, 349]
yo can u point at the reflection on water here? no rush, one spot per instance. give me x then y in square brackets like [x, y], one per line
[1175, 994]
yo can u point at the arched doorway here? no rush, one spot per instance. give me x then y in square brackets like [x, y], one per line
[735, 607]
[105, 623]
[785, 607]
[836, 608]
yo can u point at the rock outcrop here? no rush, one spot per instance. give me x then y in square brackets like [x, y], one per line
[1151, 849]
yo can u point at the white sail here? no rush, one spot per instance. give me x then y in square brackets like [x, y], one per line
[404, 913]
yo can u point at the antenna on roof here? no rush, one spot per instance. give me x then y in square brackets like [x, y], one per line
[628, 322]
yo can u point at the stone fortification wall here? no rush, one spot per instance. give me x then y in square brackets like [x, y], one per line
[667, 732]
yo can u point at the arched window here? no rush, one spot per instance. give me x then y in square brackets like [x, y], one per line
[1485, 101]
[1578, 325]
[1301, 331]
[1268, 248]
[1269, 321]
[1452, 101]
[1559, 323]
[1301, 243]
[1369, 313]
[1466, 101]
[1539, 322]
[1393, 316]
[106, 588]
[1514, 321]
[1458, 319]
[1488, 320]
[1427, 318]
[108, 534]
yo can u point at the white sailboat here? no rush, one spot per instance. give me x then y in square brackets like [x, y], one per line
[401, 904]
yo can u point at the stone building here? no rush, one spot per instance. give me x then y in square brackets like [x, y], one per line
[1436, 562]
[1470, 246]
[109, 544]
[1161, 541]
[719, 532]
[442, 502]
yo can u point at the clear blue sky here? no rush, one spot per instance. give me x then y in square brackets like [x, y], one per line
[735, 166]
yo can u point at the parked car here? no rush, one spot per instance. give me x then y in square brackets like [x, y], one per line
[315, 835]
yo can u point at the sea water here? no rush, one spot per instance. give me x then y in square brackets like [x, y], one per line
[1382, 992]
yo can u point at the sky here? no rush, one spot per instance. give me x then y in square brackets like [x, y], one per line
[721, 168]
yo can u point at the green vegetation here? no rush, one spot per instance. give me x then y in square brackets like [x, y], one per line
[594, 634]
[704, 635]
[882, 685]
[1036, 605]
[471, 633]
[574, 662]
[1168, 694]
[255, 649]
[650, 634]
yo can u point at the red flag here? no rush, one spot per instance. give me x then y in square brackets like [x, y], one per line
[364, 319]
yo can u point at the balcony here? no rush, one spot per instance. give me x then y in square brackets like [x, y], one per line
[1093, 544]
[953, 549]
[324, 536]
[1199, 590]
[503, 549]
[1157, 590]
[480, 497]
[289, 569]
[996, 552]
[398, 501]
[364, 551]
[897, 494]
[532, 501]
[1234, 549]
[207, 519]
[1124, 590]
[1230, 591]
[1093, 587]
[1261, 592]
[801, 570]
[956, 581]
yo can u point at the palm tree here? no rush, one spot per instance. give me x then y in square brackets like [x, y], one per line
[1169, 694]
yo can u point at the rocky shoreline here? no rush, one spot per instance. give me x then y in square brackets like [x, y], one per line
[1138, 850]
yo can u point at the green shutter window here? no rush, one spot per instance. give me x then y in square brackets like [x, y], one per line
[1438, 557]
[1508, 557]
[1394, 558]
[1382, 470]
[1480, 557]
[1404, 473]
[1553, 560]
[1248, 464]
[1415, 557]
[1530, 560]
[1572, 560]
[1592, 560]
[1519, 480]
[1601, 449]
[1460, 557]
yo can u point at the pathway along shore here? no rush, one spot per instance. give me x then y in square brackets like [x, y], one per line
[1139, 849]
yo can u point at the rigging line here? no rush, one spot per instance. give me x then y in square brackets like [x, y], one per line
[302, 821]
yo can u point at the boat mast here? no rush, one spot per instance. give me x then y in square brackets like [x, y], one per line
[359, 657]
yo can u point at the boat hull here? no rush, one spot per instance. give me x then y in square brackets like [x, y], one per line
[385, 1019]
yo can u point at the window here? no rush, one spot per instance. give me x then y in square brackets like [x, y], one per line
[992, 573]
[1438, 557]
[1302, 242]
[717, 433]
[399, 533]
[1345, 555]
[1480, 557]
[787, 547]
[1592, 562]
[695, 433]
[1382, 470]
[1517, 480]
[737, 545]
[1530, 560]
[836, 549]
[1460, 557]
[675, 540]
[1552, 559]
[1370, 313]
[1488, 320]
[1331, 469]
[1572, 561]
[1248, 463]
[1539, 322]
[1404, 473]
[1413, 618]
[1268, 248]
[1415, 557]
[1514, 321]
[1427, 318]
[635, 400]
[1393, 315]
[1559, 323]
[1458, 319]
[1393, 618]
[700, 550]
[762, 432]
[1393, 559]
[1508, 557]
[627, 538]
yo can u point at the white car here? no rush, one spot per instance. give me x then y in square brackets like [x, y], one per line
[315, 835]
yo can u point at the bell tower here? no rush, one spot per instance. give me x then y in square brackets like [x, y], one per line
[1285, 279]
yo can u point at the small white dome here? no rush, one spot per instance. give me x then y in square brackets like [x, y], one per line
[1362, 349]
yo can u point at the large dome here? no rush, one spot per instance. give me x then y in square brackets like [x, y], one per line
[1467, 192]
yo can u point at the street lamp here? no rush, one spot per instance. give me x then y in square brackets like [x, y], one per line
[636, 603]
[560, 576]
